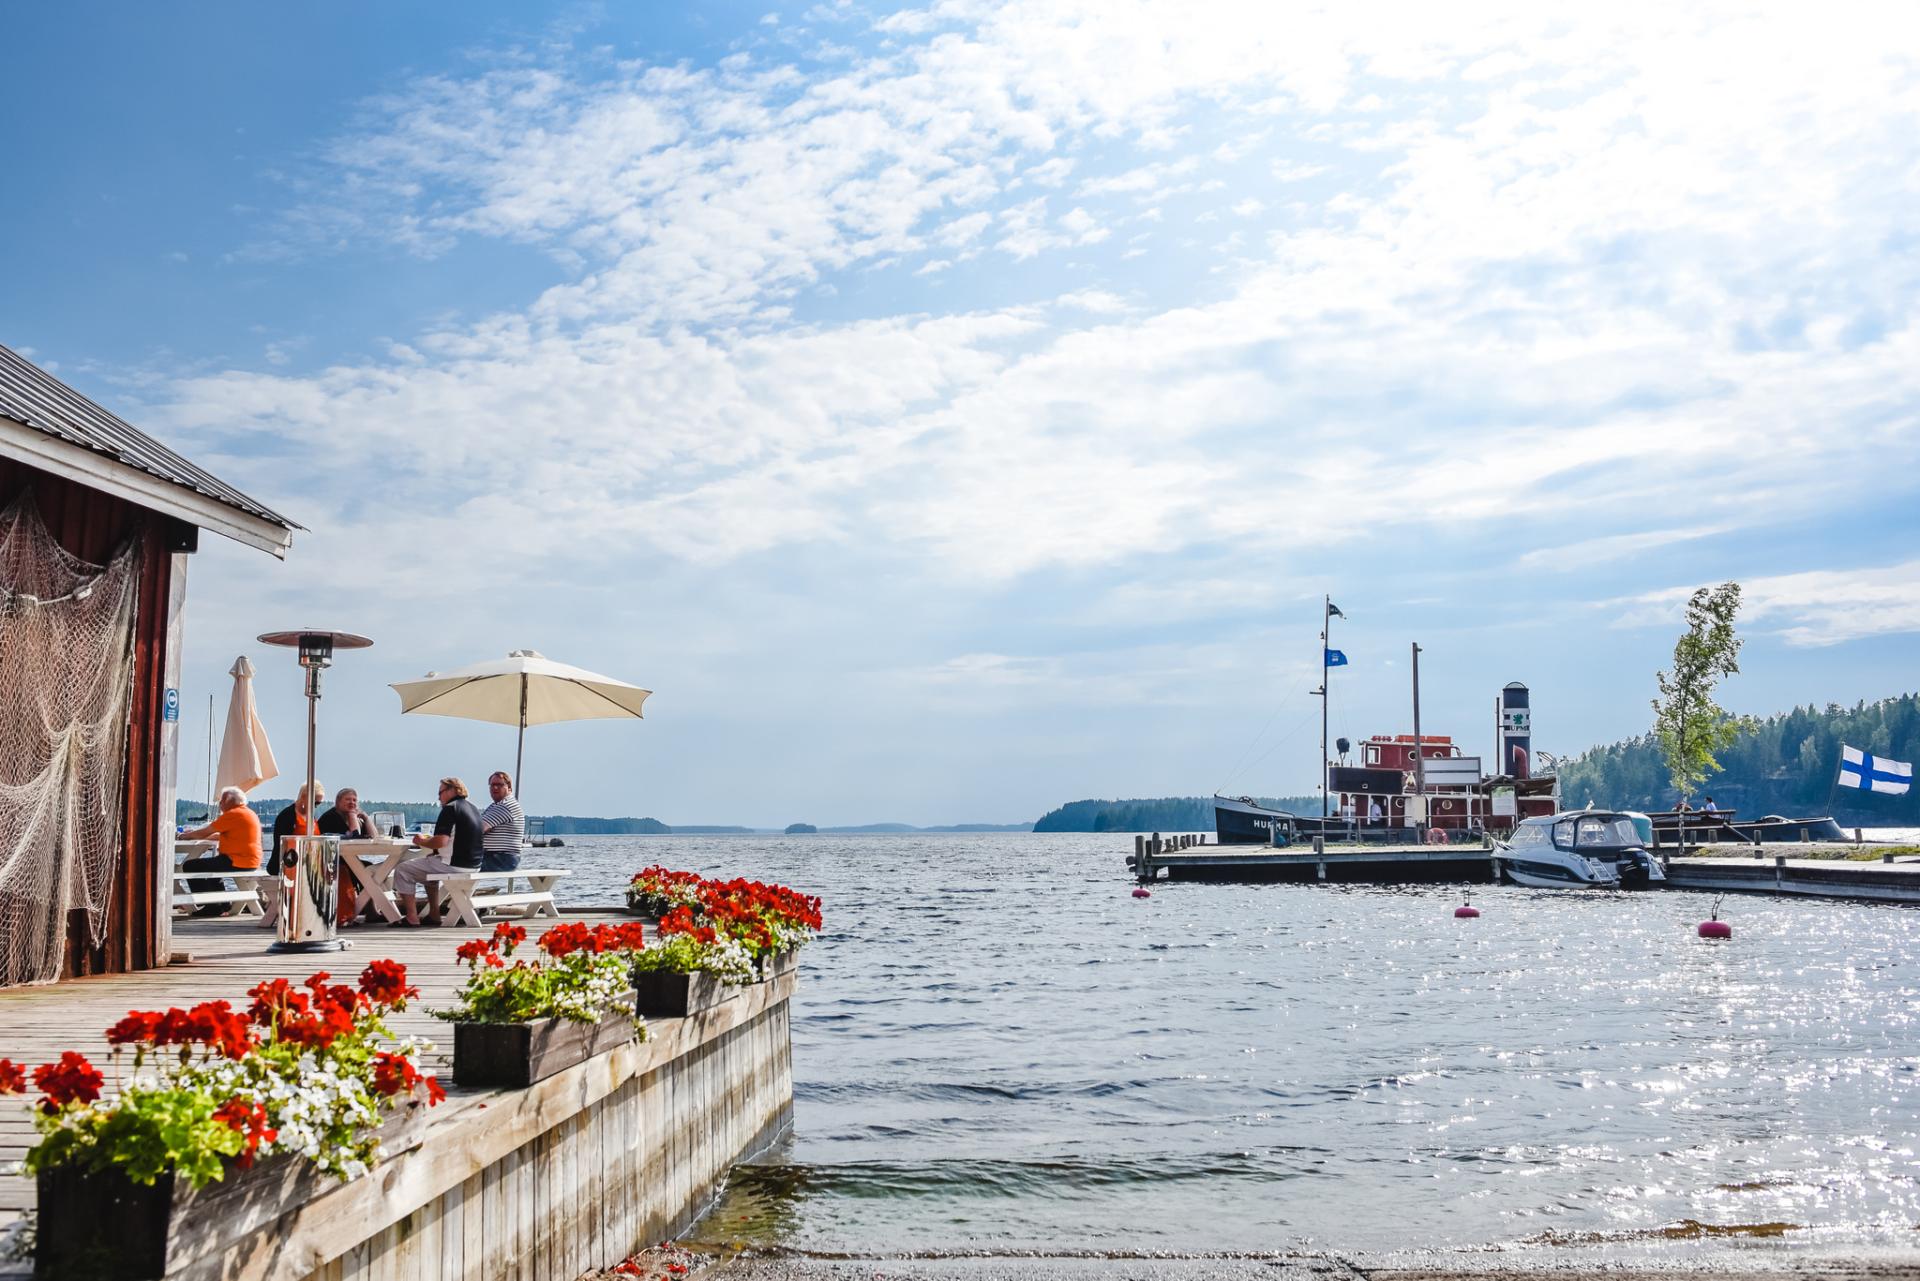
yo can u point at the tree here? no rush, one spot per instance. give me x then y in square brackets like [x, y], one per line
[1688, 725]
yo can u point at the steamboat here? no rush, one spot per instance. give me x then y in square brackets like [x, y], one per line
[1393, 782]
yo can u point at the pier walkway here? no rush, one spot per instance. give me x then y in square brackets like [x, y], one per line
[532, 1181]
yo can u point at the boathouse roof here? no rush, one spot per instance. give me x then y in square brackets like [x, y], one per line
[49, 425]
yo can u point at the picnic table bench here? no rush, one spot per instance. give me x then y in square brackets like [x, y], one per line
[470, 893]
[246, 892]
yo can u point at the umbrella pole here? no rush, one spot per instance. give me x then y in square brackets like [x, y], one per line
[520, 745]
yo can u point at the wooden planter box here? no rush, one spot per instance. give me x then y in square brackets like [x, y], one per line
[102, 1226]
[662, 994]
[775, 964]
[515, 1055]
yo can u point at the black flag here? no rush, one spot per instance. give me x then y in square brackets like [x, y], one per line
[1333, 611]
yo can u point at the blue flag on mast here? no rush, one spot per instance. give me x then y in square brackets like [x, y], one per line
[1336, 659]
[1870, 773]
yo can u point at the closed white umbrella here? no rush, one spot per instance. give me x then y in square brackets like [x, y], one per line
[524, 688]
[246, 758]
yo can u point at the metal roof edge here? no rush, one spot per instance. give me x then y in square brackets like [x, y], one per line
[85, 466]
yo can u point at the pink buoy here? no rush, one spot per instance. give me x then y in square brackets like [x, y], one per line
[1141, 891]
[1465, 911]
[1715, 929]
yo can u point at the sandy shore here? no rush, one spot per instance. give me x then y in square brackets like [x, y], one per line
[1770, 1264]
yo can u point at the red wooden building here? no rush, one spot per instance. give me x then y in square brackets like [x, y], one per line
[97, 520]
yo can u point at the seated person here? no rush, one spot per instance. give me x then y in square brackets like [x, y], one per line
[456, 847]
[294, 820]
[346, 819]
[237, 829]
[502, 825]
[349, 822]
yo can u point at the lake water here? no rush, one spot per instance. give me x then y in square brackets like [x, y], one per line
[998, 1049]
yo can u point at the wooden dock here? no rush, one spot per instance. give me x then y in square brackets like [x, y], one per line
[547, 1182]
[1883, 882]
[1186, 859]
[1777, 869]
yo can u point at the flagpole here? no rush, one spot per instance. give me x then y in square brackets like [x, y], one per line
[1326, 640]
[1834, 789]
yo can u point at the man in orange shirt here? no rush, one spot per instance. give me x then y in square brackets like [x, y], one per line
[237, 830]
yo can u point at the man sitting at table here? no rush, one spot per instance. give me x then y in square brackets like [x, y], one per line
[456, 848]
[502, 824]
[237, 830]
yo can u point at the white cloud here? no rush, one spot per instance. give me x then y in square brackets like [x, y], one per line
[1556, 291]
[1815, 608]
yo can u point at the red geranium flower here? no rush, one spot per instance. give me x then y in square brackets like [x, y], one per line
[250, 1120]
[385, 982]
[13, 1077]
[393, 1073]
[71, 1080]
[139, 1026]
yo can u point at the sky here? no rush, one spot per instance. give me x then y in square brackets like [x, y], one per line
[952, 411]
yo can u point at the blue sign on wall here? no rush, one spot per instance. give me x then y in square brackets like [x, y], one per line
[170, 709]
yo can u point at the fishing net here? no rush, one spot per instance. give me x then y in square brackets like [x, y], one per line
[66, 661]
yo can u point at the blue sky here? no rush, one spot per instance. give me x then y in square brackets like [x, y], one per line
[953, 411]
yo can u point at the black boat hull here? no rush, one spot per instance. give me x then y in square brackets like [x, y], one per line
[1243, 822]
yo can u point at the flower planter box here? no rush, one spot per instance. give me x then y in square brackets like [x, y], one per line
[775, 964]
[663, 994]
[515, 1055]
[102, 1226]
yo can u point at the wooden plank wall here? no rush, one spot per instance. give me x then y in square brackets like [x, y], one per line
[93, 525]
[632, 1169]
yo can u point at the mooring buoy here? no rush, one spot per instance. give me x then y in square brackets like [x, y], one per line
[1713, 927]
[1141, 891]
[1465, 911]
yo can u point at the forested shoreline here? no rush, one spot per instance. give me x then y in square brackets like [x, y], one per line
[1784, 764]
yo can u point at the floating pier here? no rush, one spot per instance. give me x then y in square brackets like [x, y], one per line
[1882, 882]
[1772, 869]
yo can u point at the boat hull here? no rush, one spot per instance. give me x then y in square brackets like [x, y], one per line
[1245, 822]
[1553, 874]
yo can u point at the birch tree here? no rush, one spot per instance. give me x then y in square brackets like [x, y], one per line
[1688, 725]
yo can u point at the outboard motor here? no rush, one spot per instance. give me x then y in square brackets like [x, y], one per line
[1639, 869]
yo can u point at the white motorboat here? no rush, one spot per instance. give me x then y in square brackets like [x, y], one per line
[1604, 849]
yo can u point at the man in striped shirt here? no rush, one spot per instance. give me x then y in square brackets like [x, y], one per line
[502, 824]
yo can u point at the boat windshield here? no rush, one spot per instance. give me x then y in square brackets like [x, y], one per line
[1529, 834]
[1606, 832]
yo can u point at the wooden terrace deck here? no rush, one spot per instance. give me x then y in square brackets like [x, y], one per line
[229, 955]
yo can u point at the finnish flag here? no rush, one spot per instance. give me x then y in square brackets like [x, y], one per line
[1872, 773]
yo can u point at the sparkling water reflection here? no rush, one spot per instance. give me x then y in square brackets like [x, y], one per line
[996, 1047]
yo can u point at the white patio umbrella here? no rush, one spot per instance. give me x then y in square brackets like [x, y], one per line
[246, 758]
[524, 688]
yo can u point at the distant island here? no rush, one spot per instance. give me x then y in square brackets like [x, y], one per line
[1164, 814]
[412, 812]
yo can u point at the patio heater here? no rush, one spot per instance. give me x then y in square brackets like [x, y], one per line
[310, 897]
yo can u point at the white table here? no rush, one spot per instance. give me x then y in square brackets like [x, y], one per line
[371, 865]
